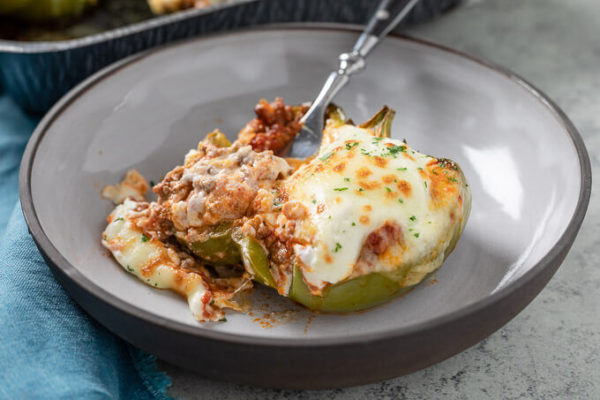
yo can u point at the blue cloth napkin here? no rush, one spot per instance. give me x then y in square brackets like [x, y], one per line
[49, 347]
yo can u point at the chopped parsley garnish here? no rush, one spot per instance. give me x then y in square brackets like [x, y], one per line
[396, 149]
[276, 202]
[119, 219]
[401, 169]
[129, 268]
[379, 139]
[347, 179]
[354, 224]
[400, 201]
[223, 320]
[326, 156]
[338, 246]
[349, 146]
[151, 183]
[420, 169]
[145, 238]
[416, 235]
[212, 303]
[425, 183]
[413, 218]
[361, 189]
[340, 189]
[155, 284]
[452, 179]
[314, 201]
[365, 152]
[387, 189]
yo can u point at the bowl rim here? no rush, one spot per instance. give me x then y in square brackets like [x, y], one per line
[100, 294]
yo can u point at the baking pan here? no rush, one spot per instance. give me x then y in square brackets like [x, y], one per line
[37, 74]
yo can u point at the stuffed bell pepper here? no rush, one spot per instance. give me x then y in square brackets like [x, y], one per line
[364, 220]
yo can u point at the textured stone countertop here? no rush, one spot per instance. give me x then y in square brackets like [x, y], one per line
[551, 350]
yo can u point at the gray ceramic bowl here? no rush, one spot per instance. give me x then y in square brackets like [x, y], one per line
[527, 165]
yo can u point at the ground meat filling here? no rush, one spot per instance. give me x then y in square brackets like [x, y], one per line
[383, 238]
[172, 188]
[155, 221]
[219, 184]
[377, 243]
[238, 184]
[274, 127]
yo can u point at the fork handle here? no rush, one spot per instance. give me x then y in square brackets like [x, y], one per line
[388, 14]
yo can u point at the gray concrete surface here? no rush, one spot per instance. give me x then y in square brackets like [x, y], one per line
[552, 349]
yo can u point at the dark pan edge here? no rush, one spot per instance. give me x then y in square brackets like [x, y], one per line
[38, 73]
[536, 277]
[62, 45]
[427, 9]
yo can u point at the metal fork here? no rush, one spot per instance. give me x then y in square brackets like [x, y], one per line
[388, 14]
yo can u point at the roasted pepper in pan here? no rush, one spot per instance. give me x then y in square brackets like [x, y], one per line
[8, 6]
[44, 10]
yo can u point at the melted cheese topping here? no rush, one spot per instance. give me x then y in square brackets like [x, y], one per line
[357, 184]
[154, 264]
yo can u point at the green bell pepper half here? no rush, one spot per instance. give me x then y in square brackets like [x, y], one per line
[223, 246]
[353, 295]
[218, 247]
[256, 260]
